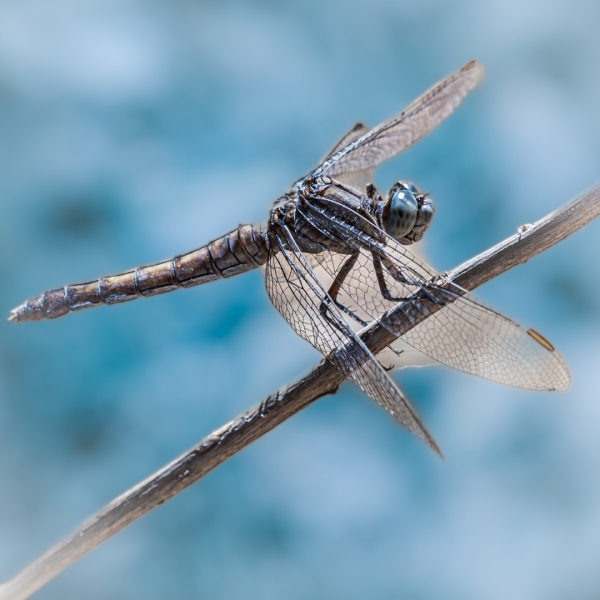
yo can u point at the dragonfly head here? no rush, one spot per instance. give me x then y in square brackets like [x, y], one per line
[407, 213]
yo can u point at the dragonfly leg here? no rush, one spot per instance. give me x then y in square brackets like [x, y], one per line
[383, 288]
[350, 313]
[335, 288]
[425, 287]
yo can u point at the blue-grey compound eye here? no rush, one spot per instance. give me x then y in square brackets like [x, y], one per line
[403, 214]
[410, 186]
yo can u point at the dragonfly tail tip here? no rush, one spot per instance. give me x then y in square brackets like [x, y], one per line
[477, 68]
[14, 316]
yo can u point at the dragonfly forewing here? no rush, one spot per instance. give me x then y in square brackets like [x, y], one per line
[417, 120]
[440, 320]
[356, 179]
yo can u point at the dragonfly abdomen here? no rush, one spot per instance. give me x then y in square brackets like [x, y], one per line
[241, 250]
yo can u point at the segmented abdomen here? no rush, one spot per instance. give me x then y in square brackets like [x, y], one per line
[241, 250]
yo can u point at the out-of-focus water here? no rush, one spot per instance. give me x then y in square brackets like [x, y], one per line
[132, 131]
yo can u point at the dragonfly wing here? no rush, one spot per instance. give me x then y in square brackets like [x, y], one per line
[459, 331]
[357, 130]
[475, 339]
[356, 179]
[299, 296]
[361, 294]
[397, 134]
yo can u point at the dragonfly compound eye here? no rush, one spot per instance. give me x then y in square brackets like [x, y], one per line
[408, 185]
[402, 215]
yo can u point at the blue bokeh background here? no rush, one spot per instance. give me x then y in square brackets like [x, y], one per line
[131, 131]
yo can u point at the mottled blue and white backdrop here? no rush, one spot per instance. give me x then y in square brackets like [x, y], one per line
[131, 131]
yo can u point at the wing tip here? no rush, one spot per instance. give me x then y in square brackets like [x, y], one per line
[561, 374]
[433, 445]
[423, 434]
[564, 384]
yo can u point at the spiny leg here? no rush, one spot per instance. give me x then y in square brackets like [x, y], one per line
[401, 278]
[333, 292]
[336, 286]
[383, 288]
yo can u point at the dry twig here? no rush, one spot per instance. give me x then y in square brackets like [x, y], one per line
[322, 380]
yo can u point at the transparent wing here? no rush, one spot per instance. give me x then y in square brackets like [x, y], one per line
[356, 179]
[397, 355]
[357, 130]
[397, 134]
[301, 299]
[459, 331]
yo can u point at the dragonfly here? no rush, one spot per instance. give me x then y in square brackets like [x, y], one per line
[336, 257]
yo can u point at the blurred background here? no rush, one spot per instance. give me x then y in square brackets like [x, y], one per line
[132, 131]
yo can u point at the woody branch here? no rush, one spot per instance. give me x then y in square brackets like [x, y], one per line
[324, 379]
